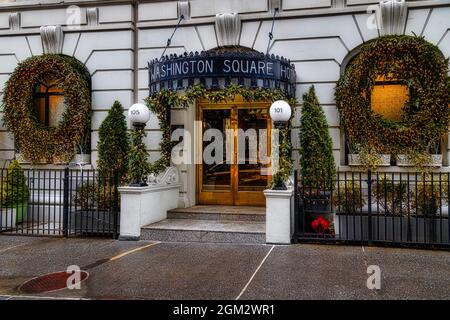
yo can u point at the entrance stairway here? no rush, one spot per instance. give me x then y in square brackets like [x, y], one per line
[215, 224]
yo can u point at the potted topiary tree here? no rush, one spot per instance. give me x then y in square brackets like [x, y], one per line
[14, 195]
[114, 143]
[316, 158]
[97, 195]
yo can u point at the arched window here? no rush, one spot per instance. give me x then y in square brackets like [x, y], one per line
[49, 103]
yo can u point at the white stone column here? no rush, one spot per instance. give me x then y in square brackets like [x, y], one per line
[278, 216]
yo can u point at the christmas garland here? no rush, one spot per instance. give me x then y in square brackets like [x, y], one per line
[38, 142]
[159, 103]
[417, 64]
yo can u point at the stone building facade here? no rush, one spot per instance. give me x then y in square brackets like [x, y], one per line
[116, 39]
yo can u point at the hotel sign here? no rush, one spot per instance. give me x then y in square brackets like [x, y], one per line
[216, 70]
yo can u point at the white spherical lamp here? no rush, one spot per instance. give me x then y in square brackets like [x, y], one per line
[139, 114]
[280, 111]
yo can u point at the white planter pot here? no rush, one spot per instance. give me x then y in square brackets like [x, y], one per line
[354, 160]
[8, 219]
[436, 160]
[83, 158]
[403, 161]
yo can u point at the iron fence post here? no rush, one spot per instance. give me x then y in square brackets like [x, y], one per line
[369, 206]
[116, 204]
[66, 203]
[296, 208]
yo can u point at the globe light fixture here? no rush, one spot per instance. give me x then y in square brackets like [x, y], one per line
[139, 115]
[280, 113]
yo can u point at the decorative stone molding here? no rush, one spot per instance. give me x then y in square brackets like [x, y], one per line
[183, 9]
[92, 16]
[274, 4]
[168, 177]
[228, 29]
[338, 3]
[393, 16]
[14, 21]
[52, 39]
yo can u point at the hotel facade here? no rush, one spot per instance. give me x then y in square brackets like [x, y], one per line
[133, 49]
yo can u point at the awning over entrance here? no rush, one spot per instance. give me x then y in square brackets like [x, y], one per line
[216, 69]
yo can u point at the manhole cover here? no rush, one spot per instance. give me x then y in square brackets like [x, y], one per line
[50, 282]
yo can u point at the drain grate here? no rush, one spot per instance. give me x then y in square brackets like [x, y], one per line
[49, 282]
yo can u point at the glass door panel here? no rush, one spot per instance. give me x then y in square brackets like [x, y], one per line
[216, 173]
[253, 150]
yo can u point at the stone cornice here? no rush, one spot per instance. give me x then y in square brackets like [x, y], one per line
[47, 4]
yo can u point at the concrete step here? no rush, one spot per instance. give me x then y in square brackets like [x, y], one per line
[213, 231]
[226, 213]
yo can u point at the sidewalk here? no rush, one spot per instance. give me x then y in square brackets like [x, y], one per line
[146, 270]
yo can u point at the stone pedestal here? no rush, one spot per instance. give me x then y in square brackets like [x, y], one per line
[278, 216]
[140, 206]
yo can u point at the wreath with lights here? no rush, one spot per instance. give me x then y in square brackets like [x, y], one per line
[38, 142]
[413, 62]
[161, 101]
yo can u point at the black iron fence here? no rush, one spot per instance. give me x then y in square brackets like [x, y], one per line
[408, 208]
[52, 202]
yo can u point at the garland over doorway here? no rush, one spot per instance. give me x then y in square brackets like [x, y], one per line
[415, 63]
[38, 142]
[160, 102]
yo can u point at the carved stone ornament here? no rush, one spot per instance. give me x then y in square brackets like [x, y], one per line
[14, 21]
[393, 16]
[92, 16]
[52, 39]
[167, 177]
[183, 9]
[228, 29]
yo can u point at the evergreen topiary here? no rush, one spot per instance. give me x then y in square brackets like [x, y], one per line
[14, 186]
[114, 143]
[15, 190]
[316, 147]
[137, 162]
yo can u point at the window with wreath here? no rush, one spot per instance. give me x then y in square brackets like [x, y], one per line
[388, 99]
[47, 107]
[393, 103]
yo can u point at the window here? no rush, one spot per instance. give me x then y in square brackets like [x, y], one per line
[49, 103]
[388, 98]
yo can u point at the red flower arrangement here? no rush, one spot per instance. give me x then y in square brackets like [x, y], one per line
[321, 225]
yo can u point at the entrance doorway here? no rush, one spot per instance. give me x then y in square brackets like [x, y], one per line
[242, 172]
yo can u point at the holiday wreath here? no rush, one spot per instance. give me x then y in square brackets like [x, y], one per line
[38, 142]
[417, 64]
[160, 102]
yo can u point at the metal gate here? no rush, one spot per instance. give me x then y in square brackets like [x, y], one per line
[395, 208]
[66, 202]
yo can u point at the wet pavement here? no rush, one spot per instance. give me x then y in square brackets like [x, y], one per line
[152, 270]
